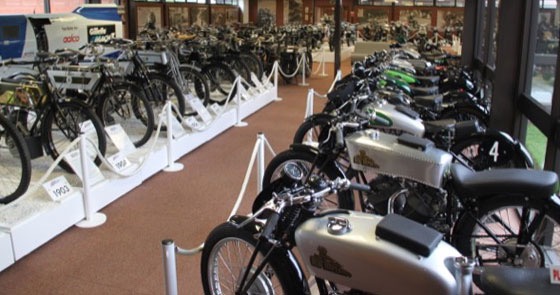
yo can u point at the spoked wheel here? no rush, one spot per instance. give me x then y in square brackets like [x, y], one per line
[162, 89]
[304, 160]
[482, 152]
[196, 84]
[225, 259]
[511, 231]
[127, 106]
[64, 123]
[15, 163]
[222, 81]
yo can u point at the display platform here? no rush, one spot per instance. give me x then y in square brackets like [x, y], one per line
[325, 55]
[35, 218]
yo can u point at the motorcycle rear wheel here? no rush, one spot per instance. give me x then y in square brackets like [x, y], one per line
[493, 233]
[225, 258]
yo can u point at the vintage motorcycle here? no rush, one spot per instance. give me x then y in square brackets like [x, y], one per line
[344, 252]
[506, 216]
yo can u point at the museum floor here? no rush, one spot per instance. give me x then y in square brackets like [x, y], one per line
[124, 256]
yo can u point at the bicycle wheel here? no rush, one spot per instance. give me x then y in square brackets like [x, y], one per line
[225, 258]
[222, 79]
[253, 63]
[15, 163]
[125, 105]
[63, 123]
[163, 89]
[304, 159]
[511, 231]
[197, 84]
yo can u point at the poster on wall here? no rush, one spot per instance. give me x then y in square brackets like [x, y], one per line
[232, 16]
[179, 17]
[218, 16]
[199, 15]
[293, 11]
[266, 13]
[415, 18]
[373, 17]
[449, 19]
[149, 17]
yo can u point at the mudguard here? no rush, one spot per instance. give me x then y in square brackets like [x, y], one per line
[286, 257]
[500, 146]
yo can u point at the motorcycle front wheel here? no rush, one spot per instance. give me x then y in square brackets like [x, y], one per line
[304, 159]
[225, 259]
[511, 231]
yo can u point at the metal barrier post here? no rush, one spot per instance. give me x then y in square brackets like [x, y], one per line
[238, 107]
[171, 166]
[260, 161]
[303, 66]
[93, 219]
[169, 267]
[323, 74]
[275, 71]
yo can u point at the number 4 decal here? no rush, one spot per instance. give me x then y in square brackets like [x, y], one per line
[494, 151]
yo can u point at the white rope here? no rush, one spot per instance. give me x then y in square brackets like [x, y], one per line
[322, 61]
[299, 63]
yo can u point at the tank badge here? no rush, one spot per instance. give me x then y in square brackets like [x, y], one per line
[362, 159]
[323, 261]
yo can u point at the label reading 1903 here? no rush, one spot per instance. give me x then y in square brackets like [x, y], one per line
[58, 188]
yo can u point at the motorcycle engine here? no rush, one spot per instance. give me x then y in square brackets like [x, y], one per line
[416, 201]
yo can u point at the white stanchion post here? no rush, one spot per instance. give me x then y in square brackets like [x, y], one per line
[303, 66]
[260, 161]
[93, 219]
[323, 74]
[275, 71]
[238, 107]
[171, 165]
[169, 267]
[309, 105]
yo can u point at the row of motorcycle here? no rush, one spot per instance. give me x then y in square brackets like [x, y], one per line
[395, 188]
[46, 102]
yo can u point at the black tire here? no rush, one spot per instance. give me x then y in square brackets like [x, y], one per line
[125, 104]
[501, 216]
[481, 152]
[222, 81]
[197, 84]
[15, 163]
[343, 199]
[253, 63]
[61, 125]
[310, 131]
[241, 68]
[465, 113]
[218, 270]
[164, 89]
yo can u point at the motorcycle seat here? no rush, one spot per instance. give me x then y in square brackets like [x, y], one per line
[537, 183]
[424, 90]
[467, 128]
[429, 100]
[428, 80]
[514, 280]
[439, 125]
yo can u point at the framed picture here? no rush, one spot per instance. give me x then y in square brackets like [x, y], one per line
[179, 17]
[218, 16]
[199, 15]
[148, 17]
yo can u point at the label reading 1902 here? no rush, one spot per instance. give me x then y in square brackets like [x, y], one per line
[58, 188]
[119, 162]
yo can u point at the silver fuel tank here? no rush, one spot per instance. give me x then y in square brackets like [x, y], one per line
[358, 259]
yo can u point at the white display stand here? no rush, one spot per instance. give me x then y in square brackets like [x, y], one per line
[345, 53]
[37, 219]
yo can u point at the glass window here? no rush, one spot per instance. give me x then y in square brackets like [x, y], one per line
[424, 2]
[492, 56]
[460, 3]
[482, 48]
[445, 3]
[536, 143]
[546, 49]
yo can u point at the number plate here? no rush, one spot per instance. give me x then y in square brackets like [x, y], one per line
[58, 188]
